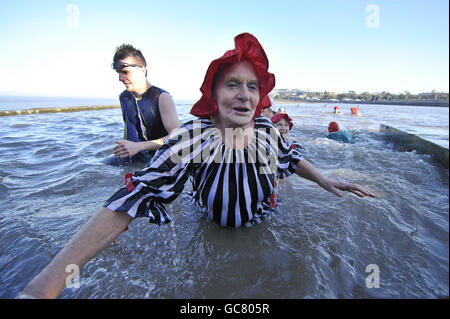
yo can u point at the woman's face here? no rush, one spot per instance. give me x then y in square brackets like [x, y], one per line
[283, 127]
[237, 95]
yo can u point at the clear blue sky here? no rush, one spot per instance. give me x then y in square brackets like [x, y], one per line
[334, 45]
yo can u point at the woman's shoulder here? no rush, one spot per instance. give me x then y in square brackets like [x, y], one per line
[191, 128]
[263, 122]
[196, 123]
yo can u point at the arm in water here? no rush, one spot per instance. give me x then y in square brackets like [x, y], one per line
[90, 240]
[306, 170]
[126, 148]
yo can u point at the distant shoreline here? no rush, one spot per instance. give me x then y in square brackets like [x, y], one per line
[408, 103]
[103, 107]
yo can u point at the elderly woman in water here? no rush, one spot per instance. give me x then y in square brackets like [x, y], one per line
[231, 152]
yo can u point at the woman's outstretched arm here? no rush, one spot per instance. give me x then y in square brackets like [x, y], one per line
[100, 230]
[306, 170]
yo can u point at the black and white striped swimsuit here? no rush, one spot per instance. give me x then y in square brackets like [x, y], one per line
[231, 186]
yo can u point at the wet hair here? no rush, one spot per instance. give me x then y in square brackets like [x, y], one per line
[127, 50]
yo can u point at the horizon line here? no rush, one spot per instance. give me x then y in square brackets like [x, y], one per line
[196, 98]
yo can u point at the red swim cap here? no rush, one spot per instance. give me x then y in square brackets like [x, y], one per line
[277, 117]
[333, 127]
[248, 48]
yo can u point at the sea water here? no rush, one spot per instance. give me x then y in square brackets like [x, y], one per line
[315, 245]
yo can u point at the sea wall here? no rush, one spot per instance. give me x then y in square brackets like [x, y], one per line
[57, 110]
[408, 142]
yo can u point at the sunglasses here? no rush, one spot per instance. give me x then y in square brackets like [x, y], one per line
[120, 65]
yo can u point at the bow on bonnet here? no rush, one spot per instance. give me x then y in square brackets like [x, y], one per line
[247, 48]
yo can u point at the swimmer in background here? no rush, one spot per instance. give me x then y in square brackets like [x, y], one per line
[284, 124]
[354, 110]
[149, 112]
[334, 133]
[336, 110]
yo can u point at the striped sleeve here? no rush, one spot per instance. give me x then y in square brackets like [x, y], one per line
[288, 158]
[160, 182]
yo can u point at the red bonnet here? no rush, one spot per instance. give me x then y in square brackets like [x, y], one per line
[333, 127]
[277, 117]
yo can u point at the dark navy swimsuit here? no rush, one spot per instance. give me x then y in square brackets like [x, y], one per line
[142, 118]
[142, 122]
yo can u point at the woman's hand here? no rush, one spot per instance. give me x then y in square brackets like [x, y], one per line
[338, 187]
[306, 170]
[126, 148]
